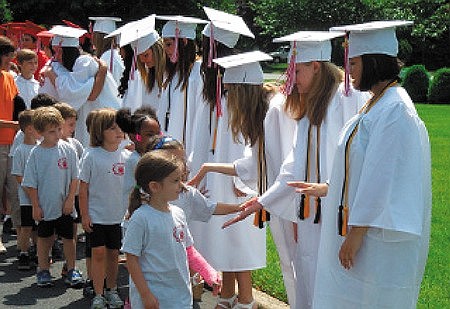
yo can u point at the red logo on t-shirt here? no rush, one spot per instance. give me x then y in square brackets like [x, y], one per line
[118, 169]
[178, 233]
[62, 163]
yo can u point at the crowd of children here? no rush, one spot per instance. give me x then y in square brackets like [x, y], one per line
[111, 143]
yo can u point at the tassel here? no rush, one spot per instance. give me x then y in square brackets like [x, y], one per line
[133, 64]
[257, 220]
[212, 47]
[290, 73]
[219, 94]
[346, 67]
[174, 56]
[303, 212]
[342, 220]
[318, 211]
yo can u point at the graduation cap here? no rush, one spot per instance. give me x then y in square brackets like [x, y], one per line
[243, 68]
[377, 37]
[73, 25]
[104, 24]
[45, 37]
[180, 26]
[140, 34]
[66, 36]
[224, 27]
[306, 46]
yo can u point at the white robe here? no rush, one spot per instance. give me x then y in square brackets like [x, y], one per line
[279, 132]
[390, 192]
[340, 109]
[242, 246]
[176, 95]
[138, 96]
[75, 87]
[117, 64]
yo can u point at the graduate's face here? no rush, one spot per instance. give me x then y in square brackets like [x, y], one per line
[147, 58]
[27, 41]
[304, 75]
[58, 53]
[356, 68]
[169, 46]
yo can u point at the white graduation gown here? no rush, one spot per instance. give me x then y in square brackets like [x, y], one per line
[178, 109]
[117, 64]
[390, 192]
[75, 87]
[279, 132]
[138, 96]
[242, 246]
[340, 109]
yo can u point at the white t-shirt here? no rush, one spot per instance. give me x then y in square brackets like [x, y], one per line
[18, 140]
[104, 172]
[195, 205]
[160, 240]
[28, 88]
[20, 158]
[77, 146]
[129, 180]
[50, 171]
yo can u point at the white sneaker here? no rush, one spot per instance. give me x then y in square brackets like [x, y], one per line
[113, 299]
[99, 302]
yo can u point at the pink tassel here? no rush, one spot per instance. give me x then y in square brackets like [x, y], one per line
[346, 67]
[174, 57]
[90, 27]
[290, 73]
[133, 64]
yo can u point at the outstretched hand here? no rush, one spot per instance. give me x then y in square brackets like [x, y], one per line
[195, 181]
[247, 209]
[310, 188]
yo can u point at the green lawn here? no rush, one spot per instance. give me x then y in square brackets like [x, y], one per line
[435, 290]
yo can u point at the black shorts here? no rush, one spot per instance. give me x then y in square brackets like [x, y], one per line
[63, 227]
[26, 216]
[87, 246]
[109, 236]
[77, 209]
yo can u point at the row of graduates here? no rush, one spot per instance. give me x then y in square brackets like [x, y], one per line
[218, 105]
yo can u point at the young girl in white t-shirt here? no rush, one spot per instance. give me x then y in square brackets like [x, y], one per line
[101, 205]
[158, 243]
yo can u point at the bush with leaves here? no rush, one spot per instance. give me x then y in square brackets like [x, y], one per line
[440, 87]
[416, 82]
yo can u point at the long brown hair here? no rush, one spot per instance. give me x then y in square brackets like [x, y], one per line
[101, 43]
[150, 75]
[187, 54]
[315, 103]
[247, 108]
[153, 166]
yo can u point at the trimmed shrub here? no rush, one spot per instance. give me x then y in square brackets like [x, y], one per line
[416, 82]
[440, 87]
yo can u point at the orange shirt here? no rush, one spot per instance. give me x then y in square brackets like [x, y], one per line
[8, 91]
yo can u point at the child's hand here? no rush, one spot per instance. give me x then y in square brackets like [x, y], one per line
[217, 286]
[68, 206]
[150, 302]
[87, 224]
[38, 215]
[351, 245]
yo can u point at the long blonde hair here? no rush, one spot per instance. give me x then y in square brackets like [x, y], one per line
[150, 75]
[247, 108]
[315, 103]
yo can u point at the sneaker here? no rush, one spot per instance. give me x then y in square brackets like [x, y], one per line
[74, 278]
[113, 299]
[2, 248]
[99, 302]
[24, 262]
[88, 288]
[44, 279]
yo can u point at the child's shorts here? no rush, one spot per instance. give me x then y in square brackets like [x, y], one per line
[109, 236]
[26, 216]
[63, 227]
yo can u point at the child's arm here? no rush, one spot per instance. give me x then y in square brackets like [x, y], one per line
[223, 168]
[198, 263]
[99, 80]
[148, 299]
[70, 199]
[225, 209]
[84, 209]
[37, 210]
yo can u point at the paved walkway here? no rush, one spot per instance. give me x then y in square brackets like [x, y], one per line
[19, 289]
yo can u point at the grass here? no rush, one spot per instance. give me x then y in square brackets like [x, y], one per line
[435, 289]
